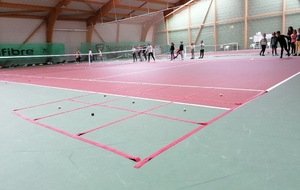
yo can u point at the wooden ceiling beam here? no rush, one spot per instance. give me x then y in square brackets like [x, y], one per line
[52, 17]
[102, 11]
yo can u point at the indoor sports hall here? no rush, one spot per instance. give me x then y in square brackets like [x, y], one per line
[149, 94]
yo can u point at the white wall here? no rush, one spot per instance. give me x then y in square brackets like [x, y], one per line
[109, 32]
[15, 30]
[71, 39]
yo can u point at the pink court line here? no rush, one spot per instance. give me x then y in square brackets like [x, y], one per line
[134, 158]
[134, 111]
[90, 105]
[153, 155]
[48, 103]
[119, 120]
[131, 116]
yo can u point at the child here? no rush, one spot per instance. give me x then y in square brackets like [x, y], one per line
[77, 56]
[172, 49]
[134, 54]
[193, 50]
[150, 52]
[90, 56]
[289, 33]
[274, 44]
[293, 42]
[181, 50]
[145, 52]
[263, 44]
[282, 42]
[100, 55]
[177, 53]
[201, 49]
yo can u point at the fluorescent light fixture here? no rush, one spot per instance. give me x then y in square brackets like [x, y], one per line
[70, 30]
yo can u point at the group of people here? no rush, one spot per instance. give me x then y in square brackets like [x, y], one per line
[290, 43]
[180, 50]
[90, 56]
[142, 52]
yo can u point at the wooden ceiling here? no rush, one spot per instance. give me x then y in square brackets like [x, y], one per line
[92, 11]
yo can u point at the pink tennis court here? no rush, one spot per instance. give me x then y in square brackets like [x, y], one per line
[149, 95]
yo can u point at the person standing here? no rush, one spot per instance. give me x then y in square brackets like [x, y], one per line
[274, 44]
[139, 51]
[193, 50]
[134, 54]
[298, 43]
[263, 43]
[90, 56]
[145, 52]
[282, 42]
[172, 49]
[293, 42]
[201, 49]
[77, 56]
[150, 52]
[181, 48]
[100, 55]
[289, 39]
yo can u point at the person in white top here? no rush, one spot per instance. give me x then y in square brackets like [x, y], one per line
[193, 50]
[150, 52]
[100, 55]
[134, 54]
[263, 43]
[90, 55]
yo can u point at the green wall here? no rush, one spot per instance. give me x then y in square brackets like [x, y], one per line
[263, 16]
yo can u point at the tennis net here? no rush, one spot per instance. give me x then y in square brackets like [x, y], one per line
[37, 60]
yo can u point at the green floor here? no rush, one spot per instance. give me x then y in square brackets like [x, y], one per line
[254, 147]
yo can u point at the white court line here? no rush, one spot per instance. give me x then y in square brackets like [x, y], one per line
[146, 83]
[284, 81]
[184, 86]
[86, 91]
[138, 72]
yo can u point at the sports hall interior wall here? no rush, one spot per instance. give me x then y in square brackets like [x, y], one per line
[191, 24]
[197, 20]
[70, 33]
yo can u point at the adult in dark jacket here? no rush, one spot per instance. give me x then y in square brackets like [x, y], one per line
[282, 42]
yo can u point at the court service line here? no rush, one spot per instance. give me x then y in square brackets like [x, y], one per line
[282, 82]
[144, 71]
[183, 86]
[140, 98]
[145, 83]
